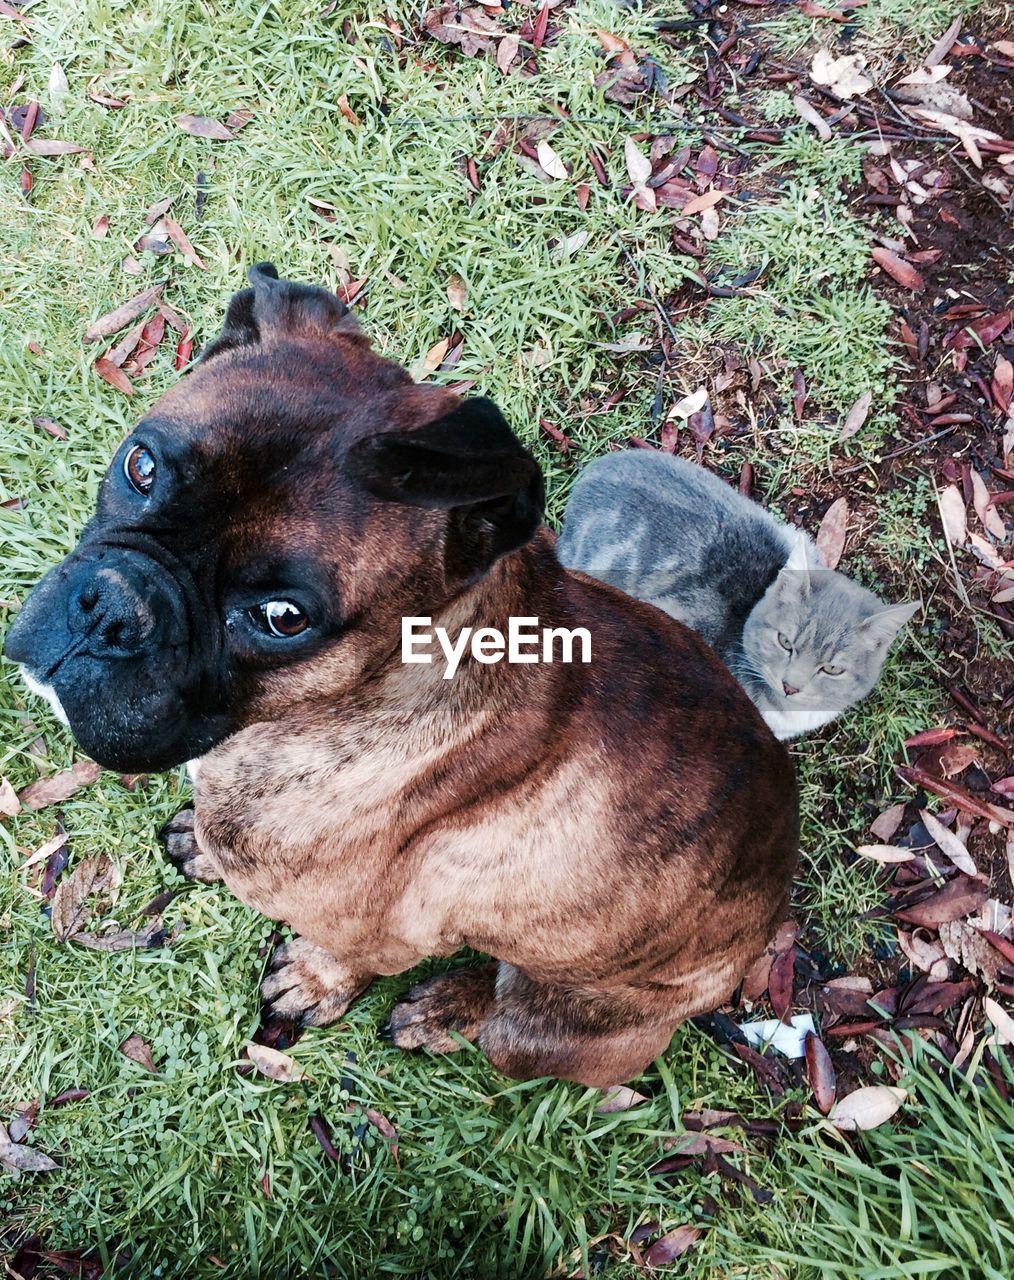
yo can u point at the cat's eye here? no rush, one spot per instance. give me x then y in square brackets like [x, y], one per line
[829, 669]
[784, 641]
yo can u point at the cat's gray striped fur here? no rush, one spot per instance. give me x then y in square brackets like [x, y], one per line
[804, 641]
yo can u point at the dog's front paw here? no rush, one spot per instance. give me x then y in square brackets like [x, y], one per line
[309, 984]
[183, 851]
[458, 1001]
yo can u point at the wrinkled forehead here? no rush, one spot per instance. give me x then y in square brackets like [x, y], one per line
[338, 385]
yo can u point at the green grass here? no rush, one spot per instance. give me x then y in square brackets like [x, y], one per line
[496, 1179]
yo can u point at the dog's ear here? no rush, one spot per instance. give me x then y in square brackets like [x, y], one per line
[468, 462]
[281, 306]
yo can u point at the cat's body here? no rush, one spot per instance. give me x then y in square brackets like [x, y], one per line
[805, 642]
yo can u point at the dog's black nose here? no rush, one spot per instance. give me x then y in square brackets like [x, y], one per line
[115, 607]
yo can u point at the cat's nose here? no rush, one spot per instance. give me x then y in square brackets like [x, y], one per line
[790, 689]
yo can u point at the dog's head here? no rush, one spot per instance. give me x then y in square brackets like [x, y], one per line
[280, 508]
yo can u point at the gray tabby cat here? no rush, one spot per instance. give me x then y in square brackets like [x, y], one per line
[805, 642]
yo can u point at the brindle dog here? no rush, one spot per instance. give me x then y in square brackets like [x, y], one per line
[619, 835]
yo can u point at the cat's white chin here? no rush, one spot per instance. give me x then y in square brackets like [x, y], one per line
[787, 722]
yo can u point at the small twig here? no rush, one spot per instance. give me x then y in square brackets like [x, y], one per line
[896, 453]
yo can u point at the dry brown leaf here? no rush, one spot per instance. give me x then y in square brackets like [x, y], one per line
[898, 269]
[16, 1156]
[948, 843]
[154, 934]
[699, 203]
[989, 517]
[831, 534]
[856, 417]
[619, 1097]
[112, 374]
[866, 1108]
[59, 786]
[180, 240]
[51, 147]
[96, 879]
[690, 404]
[274, 1064]
[138, 1050]
[204, 127]
[44, 851]
[550, 161]
[672, 1245]
[122, 315]
[507, 52]
[10, 805]
[884, 826]
[457, 292]
[812, 116]
[819, 1072]
[953, 516]
[964, 943]
[926, 954]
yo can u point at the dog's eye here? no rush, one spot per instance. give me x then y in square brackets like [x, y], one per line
[829, 669]
[280, 618]
[784, 641]
[139, 468]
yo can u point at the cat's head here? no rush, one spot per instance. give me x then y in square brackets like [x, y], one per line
[815, 642]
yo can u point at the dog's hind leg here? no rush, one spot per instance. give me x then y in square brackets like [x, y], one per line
[309, 984]
[179, 840]
[595, 1037]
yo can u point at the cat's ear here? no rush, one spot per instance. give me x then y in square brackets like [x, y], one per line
[884, 625]
[803, 558]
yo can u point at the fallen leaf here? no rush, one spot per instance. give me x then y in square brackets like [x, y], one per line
[672, 1245]
[856, 416]
[619, 1097]
[57, 86]
[95, 878]
[956, 795]
[831, 534]
[964, 943]
[59, 786]
[989, 517]
[115, 376]
[957, 898]
[884, 826]
[386, 1130]
[204, 127]
[701, 202]
[44, 850]
[843, 76]
[51, 147]
[926, 75]
[948, 843]
[179, 239]
[15, 1156]
[927, 955]
[122, 315]
[274, 1064]
[138, 1050]
[780, 983]
[866, 1108]
[953, 516]
[471, 28]
[457, 292]
[997, 1015]
[343, 106]
[10, 805]
[690, 404]
[756, 981]
[885, 853]
[550, 161]
[956, 758]
[812, 116]
[638, 164]
[154, 934]
[819, 1072]
[898, 269]
[507, 51]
